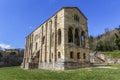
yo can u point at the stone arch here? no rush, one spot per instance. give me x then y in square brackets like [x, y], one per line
[77, 41]
[52, 39]
[37, 56]
[36, 45]
[52, 56]
[70, 35]
[43, 40]
[59, 36]
[83, 39]
[59, 55]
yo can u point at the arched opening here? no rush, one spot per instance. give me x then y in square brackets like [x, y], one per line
[45, 57]
[77, 41]
[83, 39]
[36, 45]
[52, 39]
[78, 55]
[70, 35]
[37, 56]
[59, 37]
[84, 56]
[59, 55]
[52, 56]
[71, 55]
[43, 40]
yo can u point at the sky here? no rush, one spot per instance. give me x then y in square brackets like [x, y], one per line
[18, 18]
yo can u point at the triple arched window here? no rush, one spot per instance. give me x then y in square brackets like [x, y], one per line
[76, 18]
[79, 40]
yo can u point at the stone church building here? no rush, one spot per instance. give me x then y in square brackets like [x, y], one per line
[60, 43]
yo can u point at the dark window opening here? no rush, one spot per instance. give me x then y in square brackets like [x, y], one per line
[59, 36]
[78, 55]
[71, 55]
[52, 39]
[43, 40]
[76, 18]
[83, 39]
[70, 35]
[59, 55]
[36, 46]
[77, 41]
[84, 56]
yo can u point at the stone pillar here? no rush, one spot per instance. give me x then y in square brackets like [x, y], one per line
[40, 54]
[86, 37]
[50, 31]
[48, 42]
[41, 44]
[55, 37]
[79, 37]
[73, 31]
[24, 57]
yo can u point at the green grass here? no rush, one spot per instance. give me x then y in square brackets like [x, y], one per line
[16, 73]
[113, 54]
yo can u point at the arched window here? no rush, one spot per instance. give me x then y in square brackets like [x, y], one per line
[37, 56]
[77, 41]
[36, 46]
[84, 56]
[43, 40]
[76, 17]
[83, 39]
[52, 39]
[71, 55]
[59, 55]
[59, 36]
[78, 55]
[70, 35]
[52, 56]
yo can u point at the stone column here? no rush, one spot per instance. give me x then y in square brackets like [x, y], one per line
[40, 55]
[55, 37]
[41, 44]
[73, 31]
[86, 37]
[50, 29]
[48, 42]
[80, 37]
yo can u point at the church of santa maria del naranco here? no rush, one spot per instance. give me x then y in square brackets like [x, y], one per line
[60, 43]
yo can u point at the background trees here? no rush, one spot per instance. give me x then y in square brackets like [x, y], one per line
[108, 41]
[12, 57]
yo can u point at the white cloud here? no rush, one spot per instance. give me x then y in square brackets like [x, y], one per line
[5, 46]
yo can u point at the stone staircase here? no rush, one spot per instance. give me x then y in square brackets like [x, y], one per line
[98, 59]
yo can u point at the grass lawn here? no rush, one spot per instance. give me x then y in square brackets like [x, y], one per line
[113, 54]
[16, 73]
